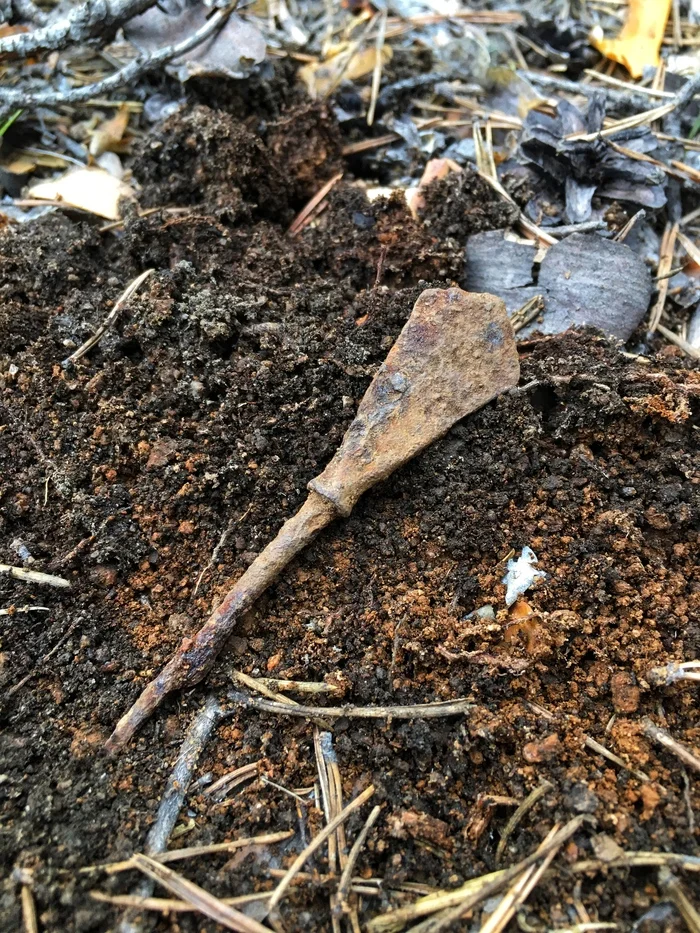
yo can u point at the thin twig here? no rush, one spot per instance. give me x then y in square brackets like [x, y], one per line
[640, 860]
[672, 887]
[666, 739]
[666, 250]
[527, 313]
[176, 855]
[611, 756]
[687, 348]
[346, 877]
[377, 72]
[254, 684]
[15, 610]
[167, 905]
[34, 576]
[396, 920]
[305, 213]
[445, 918]
[11, 97]
[315, 844]
[667, 674]
[530, 801]
[233, 779]
[171, 803]
[526, 224]
[176, 788]
[419, 711]
[31, 924]
[204, 902]
[312, 687]
[519, 892]
[130, 289]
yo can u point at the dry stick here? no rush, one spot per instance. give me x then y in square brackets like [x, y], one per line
[520, 890]
[640, 860]
[419, 711]
[296, 686]
[517, 817]
[687, 348]
[253, 683]
[175, 791]
[346, 877]
[666, 739]
[176, 855]
[611, 756]
[11, 97]
[666, 250]
[15, 610]
[397, 919]
[315, 844]
[456, 353]
[668, 674]
[109, 320]
[527, 225]
[234, 778]
[377, 72]
[445, 918]
[672, 887]
[204, 902]
[91, 20]
[31, 924]
[34, 576]
[305, 213]
[321, 742]
[167, 905]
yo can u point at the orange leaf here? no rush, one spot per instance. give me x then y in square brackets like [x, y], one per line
[640, 38]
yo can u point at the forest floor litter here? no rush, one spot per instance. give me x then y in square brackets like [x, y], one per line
[470, 704]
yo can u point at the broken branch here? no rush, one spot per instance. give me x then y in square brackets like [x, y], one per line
[91, 20]
[419, 711]
[11, 97]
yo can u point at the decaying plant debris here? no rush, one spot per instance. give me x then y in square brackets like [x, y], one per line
[392, 737]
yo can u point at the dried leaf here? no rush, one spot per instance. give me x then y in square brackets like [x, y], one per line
[640, 38]
[90, 189]
[109, 135]
[231, 53]
[321, 77]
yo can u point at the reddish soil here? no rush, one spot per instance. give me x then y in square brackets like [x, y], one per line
[228, 385]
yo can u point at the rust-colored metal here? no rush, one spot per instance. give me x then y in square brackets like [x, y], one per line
[456, 353]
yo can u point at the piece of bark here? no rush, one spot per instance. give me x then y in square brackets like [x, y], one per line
[588, 280]
[501, 267]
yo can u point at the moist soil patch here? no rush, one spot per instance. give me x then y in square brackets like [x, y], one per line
[151, 472]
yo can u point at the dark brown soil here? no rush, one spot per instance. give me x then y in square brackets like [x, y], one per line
[208, 408]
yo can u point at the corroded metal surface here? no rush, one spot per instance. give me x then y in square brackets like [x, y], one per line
[455, 353]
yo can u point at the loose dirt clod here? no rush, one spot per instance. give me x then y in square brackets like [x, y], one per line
[455, 353]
